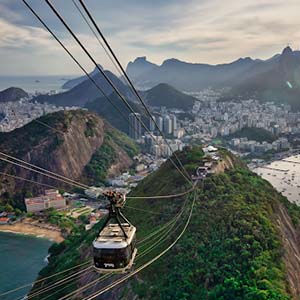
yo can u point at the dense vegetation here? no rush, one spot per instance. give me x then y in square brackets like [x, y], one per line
[254, 134]
[234, 251]
[96, 171]
[165, 95]
[64, 256]
[231, 250]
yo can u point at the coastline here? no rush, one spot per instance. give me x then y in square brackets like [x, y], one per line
[26, 229]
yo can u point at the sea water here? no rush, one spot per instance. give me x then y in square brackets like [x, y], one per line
[284, 175]
[33, 84]
[21, 258]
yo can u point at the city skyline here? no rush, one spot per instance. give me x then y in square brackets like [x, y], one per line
[198, 31]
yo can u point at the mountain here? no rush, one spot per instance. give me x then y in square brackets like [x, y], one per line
[104, 108]
[274, 79]
[12, 94]
[85, 91]
[241, 242]
[73, 82]
[165, 95]
[188, 76]
[139, 67]
[280, 83]
[76, 144]
[161, 95]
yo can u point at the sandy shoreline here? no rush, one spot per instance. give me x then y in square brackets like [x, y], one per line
[27, 229]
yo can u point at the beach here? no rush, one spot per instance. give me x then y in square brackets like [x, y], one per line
[28, 229]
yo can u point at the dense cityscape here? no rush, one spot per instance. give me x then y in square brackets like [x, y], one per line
[15, 114]
[212, 119]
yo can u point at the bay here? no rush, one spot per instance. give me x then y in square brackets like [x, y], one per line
[284, 175]
[32, 84]
[21, 258]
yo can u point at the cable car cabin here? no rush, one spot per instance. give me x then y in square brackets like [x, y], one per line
[113, 251]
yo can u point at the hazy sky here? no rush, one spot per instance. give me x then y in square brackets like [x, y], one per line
[206, 31]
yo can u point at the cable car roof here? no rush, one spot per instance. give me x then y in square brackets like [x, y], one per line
[112, 237]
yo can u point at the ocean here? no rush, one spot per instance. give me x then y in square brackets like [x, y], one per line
[33, 84]
[21, 258]
[284, 175]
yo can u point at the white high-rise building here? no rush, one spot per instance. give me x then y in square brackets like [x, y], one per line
[174, 123]
[159, 121]
[167, 125]
[135, 129]
[152, 126]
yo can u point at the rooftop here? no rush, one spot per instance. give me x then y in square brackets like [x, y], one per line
[112, 237]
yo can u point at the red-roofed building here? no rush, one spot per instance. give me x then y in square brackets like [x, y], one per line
[52, 198]
[4, 220]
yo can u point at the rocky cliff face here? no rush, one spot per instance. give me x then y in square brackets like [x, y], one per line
[63, 143]
[290, 236]
[75, 149]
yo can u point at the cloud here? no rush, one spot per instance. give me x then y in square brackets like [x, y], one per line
[208, 31]
[12, 36]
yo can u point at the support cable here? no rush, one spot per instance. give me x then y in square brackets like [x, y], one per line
[83, 186]
[135, 92]
[42, 279]
[124, 278]
[106, 77]
[39, 172]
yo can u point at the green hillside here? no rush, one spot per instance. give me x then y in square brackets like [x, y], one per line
[165, 95]
[232, 248]
[254, 134]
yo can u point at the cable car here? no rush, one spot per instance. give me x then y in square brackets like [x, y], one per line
[114, 248]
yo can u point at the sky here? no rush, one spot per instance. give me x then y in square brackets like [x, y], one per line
[203, 31]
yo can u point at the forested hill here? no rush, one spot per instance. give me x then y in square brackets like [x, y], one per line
[254, 134]
[241, 242]
[165, 95]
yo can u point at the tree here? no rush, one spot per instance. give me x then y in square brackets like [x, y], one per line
[9, 208]
[18, 212]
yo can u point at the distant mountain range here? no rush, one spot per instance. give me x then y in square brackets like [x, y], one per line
[278, 81]
[187, 76]
[12, 94]
[274, 79]
[85, 90]
[160, 95]
[85, 94]
[73, 82]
